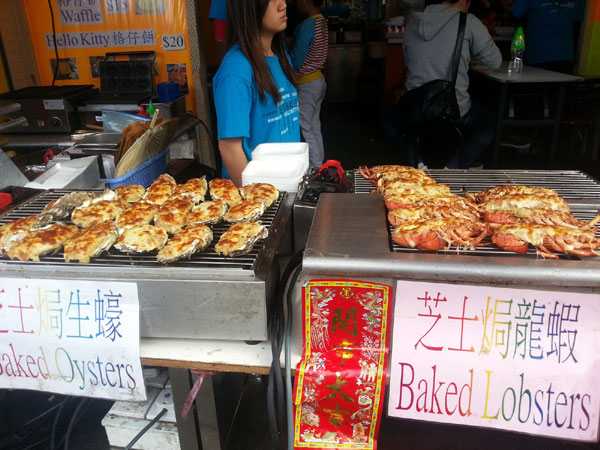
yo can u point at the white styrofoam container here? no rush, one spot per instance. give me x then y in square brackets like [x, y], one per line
[280, 149]
[80, 173]
[136, 410]
[121, 430]
[286, 168]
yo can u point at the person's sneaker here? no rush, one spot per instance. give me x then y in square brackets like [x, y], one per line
[513, 139]
[478, 166]
[422, 166]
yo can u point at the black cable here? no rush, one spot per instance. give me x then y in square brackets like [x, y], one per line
[146, 428]
[33, 420]
[55, 423]
[74, 419]
[275, 389]
[54, 39]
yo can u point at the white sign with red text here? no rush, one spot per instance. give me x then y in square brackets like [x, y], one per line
[512, 359]
[71, 337]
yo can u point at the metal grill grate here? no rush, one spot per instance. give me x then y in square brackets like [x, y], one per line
[580, 190]
[208, 259]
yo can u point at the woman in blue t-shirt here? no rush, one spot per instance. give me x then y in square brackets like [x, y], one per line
[254, 88]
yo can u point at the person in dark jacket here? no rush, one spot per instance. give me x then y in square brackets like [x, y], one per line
[429, 40]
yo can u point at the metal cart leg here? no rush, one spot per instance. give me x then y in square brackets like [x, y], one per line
[201, 429]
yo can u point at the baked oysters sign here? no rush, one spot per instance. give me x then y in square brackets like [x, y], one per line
[512, 359]
[71, 337]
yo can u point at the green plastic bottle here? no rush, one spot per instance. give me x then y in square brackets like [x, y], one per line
[517, 48]
[150, 110]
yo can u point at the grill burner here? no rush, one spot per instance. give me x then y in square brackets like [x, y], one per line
[580, 190]
[205, 259]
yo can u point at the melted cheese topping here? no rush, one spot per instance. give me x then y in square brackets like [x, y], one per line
[41, 241]
[161, 189]
[222, 189]
[429, 200]
[131, 193]
[17, 229]
[240, 237]
[516, 201]
[195, 189]
[261, 192]
[91, 242]
[500, 191]
[400, 188]
[534, 234]
[98, 212]
[246, 211]
[207, 212]
[185, 243]
[172, 214]
[425, 225]
[142, 238]
[140, 213]
[429, 212]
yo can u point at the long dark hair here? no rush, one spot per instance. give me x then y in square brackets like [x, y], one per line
[244, 24]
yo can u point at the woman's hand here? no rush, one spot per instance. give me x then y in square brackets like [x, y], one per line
[234, 158]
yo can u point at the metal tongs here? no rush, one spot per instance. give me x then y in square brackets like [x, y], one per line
[14, 122]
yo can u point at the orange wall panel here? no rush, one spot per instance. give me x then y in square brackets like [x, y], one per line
[163, 17]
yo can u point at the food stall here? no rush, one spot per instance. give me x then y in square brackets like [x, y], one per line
[350, 239]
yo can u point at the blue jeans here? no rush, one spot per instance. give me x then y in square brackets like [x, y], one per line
[478, 128]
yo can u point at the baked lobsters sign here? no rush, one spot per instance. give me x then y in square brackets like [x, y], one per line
[513, 359]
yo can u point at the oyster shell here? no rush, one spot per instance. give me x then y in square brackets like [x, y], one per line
[263, 192]
[61, 208]
[141, 239]
[195, 189]
[207, 213]
[161, 189]
[185, 243]
[16, 230]
[130, 193]
[41, 241]
[172, 214]
[97, 212]
[239, 238]
[140, 213]
[223, 189]
[246, 211]
[91, 242]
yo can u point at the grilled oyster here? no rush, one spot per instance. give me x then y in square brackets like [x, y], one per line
[264, 192]
[141, 238]
[61, 208]
[207, 213]
[240, 238]
[97, 212]
[172, 214]
[195, 189]
[223, 189]
[36, 243]
[140, 213]
[161, 189]
[16, 230]
[91, 242]
[185, 243]
[131, 193]
[247, 211]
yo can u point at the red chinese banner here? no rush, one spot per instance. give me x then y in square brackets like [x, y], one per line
[340, 381]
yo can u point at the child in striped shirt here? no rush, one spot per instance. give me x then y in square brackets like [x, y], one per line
[308, 58]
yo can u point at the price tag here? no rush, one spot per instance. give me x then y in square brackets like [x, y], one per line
[172, 42]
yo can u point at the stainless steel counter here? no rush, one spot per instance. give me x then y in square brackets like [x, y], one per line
[349, 236]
